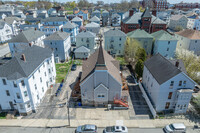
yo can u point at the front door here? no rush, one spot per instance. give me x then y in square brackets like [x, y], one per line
[11, 105]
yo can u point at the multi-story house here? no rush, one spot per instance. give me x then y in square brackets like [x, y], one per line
[5, 32]
[60, 42]
[82, 52]
[52, 24]
[25, 38]
[25, 79]
[95, 19]
[115, 20]
[178, 21]
[87, 39]
[83, 13]
[193, 22]
[142, 38]
[100, 82]
[156, 4]
[93, 27]
[182, 5]
[77, 20]
[42, 15]
[168, 86]
[189, 39]
[105, 18]
[144, 21]
[164, 43]
[71, 28]
[114, 42]
[96, 13]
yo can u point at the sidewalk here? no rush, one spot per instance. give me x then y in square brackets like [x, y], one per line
[158, 123]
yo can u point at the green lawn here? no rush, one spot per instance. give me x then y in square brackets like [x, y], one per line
[78, 62]
[61, 70]
[121, 60]
[69, 12]
[3, 115]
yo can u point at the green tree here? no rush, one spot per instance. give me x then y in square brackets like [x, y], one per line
[72, 4]
[141, 54]
[139, 68]
[83, 3]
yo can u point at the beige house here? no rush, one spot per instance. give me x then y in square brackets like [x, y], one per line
[178, 21]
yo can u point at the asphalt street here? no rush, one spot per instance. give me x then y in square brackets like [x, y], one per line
[72, 130]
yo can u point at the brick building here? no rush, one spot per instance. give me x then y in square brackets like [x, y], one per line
[156, 4]
[145, 21]
[187, 5]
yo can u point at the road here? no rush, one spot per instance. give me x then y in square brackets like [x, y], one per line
[4, 49]
[71, 130]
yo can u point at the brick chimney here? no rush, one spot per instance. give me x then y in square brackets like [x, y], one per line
[30, 44]
[131, 12]
[35, 28]
[177, 63]
[23, 57]
[154, 13]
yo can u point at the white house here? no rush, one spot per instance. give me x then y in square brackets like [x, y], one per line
[25, 38]
[5, 32]
[82, 52]
[164, 43]
[60, 42]
[25, 79]
[193, 22]
[189, 39]
[114, 42]
[87, 39]
[178, 21]
[168, 86]
[115, 20]
[93, 27]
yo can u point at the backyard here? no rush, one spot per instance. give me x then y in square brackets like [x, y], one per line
[61, 71]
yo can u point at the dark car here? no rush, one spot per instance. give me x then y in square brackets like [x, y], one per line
[197, 88]
[73, 67]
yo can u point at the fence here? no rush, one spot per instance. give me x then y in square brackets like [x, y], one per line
[148, 101]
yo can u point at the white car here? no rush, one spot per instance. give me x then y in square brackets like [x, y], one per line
[86, 129]
[175, 128]
[116, 129]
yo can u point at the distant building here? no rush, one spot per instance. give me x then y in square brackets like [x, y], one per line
[5, 32]
[115, 20]
[77, 20]
[93, 27]
[25, 79]
[105, 18]
[167, 84]
[83, 13]
[193, 22]
[178, 21]
[156, 4]
[82, 52]
[60, 42]
[187, 5]
[96, 13]
[95, 19]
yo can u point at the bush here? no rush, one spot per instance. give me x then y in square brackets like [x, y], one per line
[139, 68]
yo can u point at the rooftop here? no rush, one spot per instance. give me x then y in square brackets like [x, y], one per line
[189, 33]
[92, 24]
[70, 25]
[76, 19]
[139, 34]
[54, 19]
[58, 36]
[163, 35]
[114, 32]
[95, 18]
[86, 34]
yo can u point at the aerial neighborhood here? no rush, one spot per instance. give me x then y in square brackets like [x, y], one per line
[102, 64]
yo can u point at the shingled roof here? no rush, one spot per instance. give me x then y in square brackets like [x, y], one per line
[16, 68]
[163, 35]
[86, 34]
[146, 13]
[139, 34]
[95, 18]
[101, 60]
[161, 68]
[70, 25]
[189, 33]
[54, 19]
[58, 36]
[114, 32]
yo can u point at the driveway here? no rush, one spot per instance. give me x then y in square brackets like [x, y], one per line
[50, 107]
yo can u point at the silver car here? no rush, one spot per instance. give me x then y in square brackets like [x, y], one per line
[86, 129]
[116, 129]
[175, 128]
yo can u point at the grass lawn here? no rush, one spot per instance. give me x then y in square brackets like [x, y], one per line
[61, 71]
[69, 12]
[121, 60]
[78, 62]
[3, 115]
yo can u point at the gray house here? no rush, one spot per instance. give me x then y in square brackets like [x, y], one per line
[93, 27]
[95, 19]
[82, 52]
[100, 80]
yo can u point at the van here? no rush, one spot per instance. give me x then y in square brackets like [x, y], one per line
[175, 128]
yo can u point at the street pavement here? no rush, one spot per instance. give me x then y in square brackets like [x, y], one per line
[72, 130]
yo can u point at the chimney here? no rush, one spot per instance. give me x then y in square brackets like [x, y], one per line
[30, 44]
[131, 12]
[35, 28]
[154, 13]
[61, 29]
[23, 57]
[177, 63]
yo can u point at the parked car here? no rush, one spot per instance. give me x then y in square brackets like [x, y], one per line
[116, 129]
[86, 129]
[175, 128]
[196, 88]
[73, 67]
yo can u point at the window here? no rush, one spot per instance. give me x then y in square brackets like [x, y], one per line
[184, 83]
[25, 93]
[50, 79]
[4, 81]
[47, 84]
[170, 95]
[45, 73]
[119, 51]
[101, 96]
[33, 76]
[180, 83]
[21, 106]
[43, 65]
[167, 49]
[22, 82]
[168, 42]
[48, 62]
[49, 71]
[7, 93]
[88, 45]
[28, 105]
[195, 41]
[120, 38]
[42, 89]
[40, 79]
[120, 45]
[151, 84]
[14, 84]
[38, 97]
[18, 95]
[39, 70]
[35, 87]
[167, 105]
[82, 39]
[52, 69]
[56, 49]
[172, 83]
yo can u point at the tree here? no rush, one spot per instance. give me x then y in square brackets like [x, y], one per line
[83, 3]
[139, 68]
[178, 28]
[72, 4]
[141, 54]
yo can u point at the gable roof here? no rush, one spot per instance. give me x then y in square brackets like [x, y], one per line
[146, 13]
[101, 60]
[105, 11]
[27, 36]
[96, 11]
[161, 68]
[189, 33]
[58, 36]
[54, 19]
[10, 20]
[139, 34]
[94, 18]
[177, 17]
[70, 25]
[92, 24]
[76, 19]
[86, 34]
[82, 49]
[84, 11]
[163, 35]
[17, 68]
[114, 32]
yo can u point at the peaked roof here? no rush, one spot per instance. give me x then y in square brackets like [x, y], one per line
[92, 24]
[96, 11]
[101, 60]
[82, 49]
[161, 68]
[146, 13]
[10, 20]
[177, 17]
[194, 17]
[76, 19]
[70, 25]
[27, 36]
[54, 19]
[114, 32]
[163, 35]
[58, 36]
[95, 18]
[86, 34]
[139, 34]
[189, 33]
[105, 11]
[17, 68]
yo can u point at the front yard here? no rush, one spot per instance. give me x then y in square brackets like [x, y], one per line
[61, 70]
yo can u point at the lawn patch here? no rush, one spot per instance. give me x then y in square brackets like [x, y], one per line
[61, 71]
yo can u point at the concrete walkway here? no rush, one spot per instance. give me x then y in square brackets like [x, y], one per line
[157, 123]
